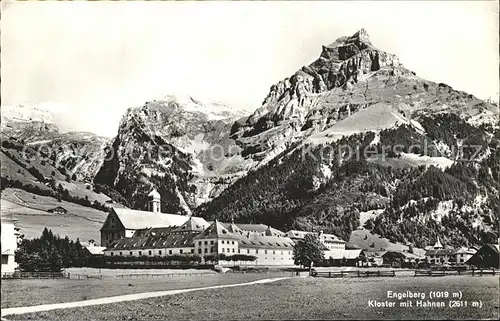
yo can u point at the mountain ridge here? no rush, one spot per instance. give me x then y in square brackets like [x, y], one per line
[269, 166]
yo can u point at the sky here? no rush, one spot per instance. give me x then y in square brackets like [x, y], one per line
[90, 61]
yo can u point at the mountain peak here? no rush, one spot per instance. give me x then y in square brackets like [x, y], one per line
[361, 34]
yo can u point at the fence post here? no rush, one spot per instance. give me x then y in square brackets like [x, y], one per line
[393, 273]
[472, 272]
[358, 273]
[330, 274]
[378, 272]
[481, 272]
[342, 273]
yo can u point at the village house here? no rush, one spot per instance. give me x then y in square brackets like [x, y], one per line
[93, 249]
[463, 254]
[330, 241]
[58, 210]
[486, 257]
[439, 255]
[9, 237]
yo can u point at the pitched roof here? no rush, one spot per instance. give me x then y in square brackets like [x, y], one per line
[325, 236]
[157, 241]
[440, 252]
[409, 255]
[155, 231]
[261, 228]
[375, 253]
[464, 250]
[134, 219]
[233, 228]
[95, 250]
[494, 247]
[154, 194]
[216, 230]
[264, 242]
[194, 224]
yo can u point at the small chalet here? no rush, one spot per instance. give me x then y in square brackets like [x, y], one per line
[94, 249]
[486, 257]
[58, 210]
[463, 254]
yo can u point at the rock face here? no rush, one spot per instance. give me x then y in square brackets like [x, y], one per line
[350, 75]
[200, 148]
[357, 96]
[79, 153]
[178, 143]
[27, 119]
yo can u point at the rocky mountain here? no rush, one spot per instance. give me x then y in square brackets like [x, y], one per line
[353, 140]
[349, 76]
[179, 144]
[38, 159]
[357, 137]
[78, 153]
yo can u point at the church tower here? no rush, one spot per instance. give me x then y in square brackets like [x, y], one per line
[154, 201]
[438, 244]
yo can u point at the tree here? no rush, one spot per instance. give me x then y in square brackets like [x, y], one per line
[50, 253]
[369, 224]
[308, 251]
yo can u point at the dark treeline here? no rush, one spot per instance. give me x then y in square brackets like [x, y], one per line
[50, 253]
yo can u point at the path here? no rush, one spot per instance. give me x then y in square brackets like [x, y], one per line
[121, 298]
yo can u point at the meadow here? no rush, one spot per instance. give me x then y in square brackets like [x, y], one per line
[28, 292]
[31, 212]
[294, 298]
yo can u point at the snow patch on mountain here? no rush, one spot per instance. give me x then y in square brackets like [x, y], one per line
[374, 118]
[410, 160]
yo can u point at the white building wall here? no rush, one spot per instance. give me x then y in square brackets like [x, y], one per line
[269, 256]
[462, 257]
[9, 246]
[228, 247]
[151, 252]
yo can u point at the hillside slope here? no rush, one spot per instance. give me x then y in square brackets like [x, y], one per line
[356, 131]
[180, 145]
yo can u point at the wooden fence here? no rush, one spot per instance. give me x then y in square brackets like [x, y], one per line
[358, 273]
[473, 272]
[75, 276]
[35, 275]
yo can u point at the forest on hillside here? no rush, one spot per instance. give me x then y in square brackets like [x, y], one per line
[293, 191]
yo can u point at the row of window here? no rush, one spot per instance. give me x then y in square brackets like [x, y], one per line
[229, 250]
[212, 242]
[438, 256]
[181, 251]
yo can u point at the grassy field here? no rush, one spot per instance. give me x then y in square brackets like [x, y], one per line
[31, 211]
[26, 292]
[118, 272]
[296, 298]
